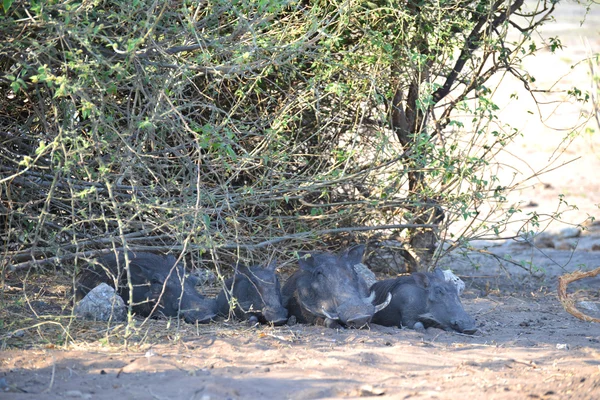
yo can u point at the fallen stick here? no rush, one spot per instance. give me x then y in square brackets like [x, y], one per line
[568, 303]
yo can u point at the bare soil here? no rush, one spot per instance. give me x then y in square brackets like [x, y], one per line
[527, 347]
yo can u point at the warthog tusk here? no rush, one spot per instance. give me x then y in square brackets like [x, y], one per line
[329, 315]
[369, 300]
[384, 304]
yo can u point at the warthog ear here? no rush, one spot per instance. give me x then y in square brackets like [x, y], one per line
[421, 279]
[241, 268]
[170, 259]
[157, 278]
[193, 279]
[354, 254]
[140, 269]
[439, 274]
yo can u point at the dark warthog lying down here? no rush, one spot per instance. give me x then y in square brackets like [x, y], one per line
[326, 287]
[160, 286]
[422, 300]
[257, 295]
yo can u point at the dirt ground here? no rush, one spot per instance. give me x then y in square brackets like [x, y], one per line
[527, 346]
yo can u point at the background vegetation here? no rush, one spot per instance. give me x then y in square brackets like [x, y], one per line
[226, 129]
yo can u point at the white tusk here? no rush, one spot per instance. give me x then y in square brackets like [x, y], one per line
[385, 303]
[329, 315]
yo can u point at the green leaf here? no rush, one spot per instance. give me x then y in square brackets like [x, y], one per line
[26, 161]
[6, 5]
[15, 86]
[145, 124]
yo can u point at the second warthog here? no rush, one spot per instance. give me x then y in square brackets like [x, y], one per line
[253, 294]
[423, 300]
[327, 289]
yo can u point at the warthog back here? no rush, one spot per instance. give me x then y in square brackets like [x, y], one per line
[159, 285]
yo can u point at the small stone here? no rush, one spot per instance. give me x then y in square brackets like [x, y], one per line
[596, 247]
[77, 394]
[369, 390]
[562, 346]
[570, 232]
[419, 327]
[150, 353]
[544, 241]
[19, 333]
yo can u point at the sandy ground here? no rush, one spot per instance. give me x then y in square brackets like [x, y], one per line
[527, 347]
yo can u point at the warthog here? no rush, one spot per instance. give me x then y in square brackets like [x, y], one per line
[160, 286]
[257, 295]
[422, 300]
[327, 288]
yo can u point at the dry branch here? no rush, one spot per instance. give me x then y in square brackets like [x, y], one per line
[230, 246]
[568, 303]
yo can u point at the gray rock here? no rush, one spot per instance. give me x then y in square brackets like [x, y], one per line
[77, 394]
[544, 241]
[101, 304]
[570, 232]
[19, 333]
